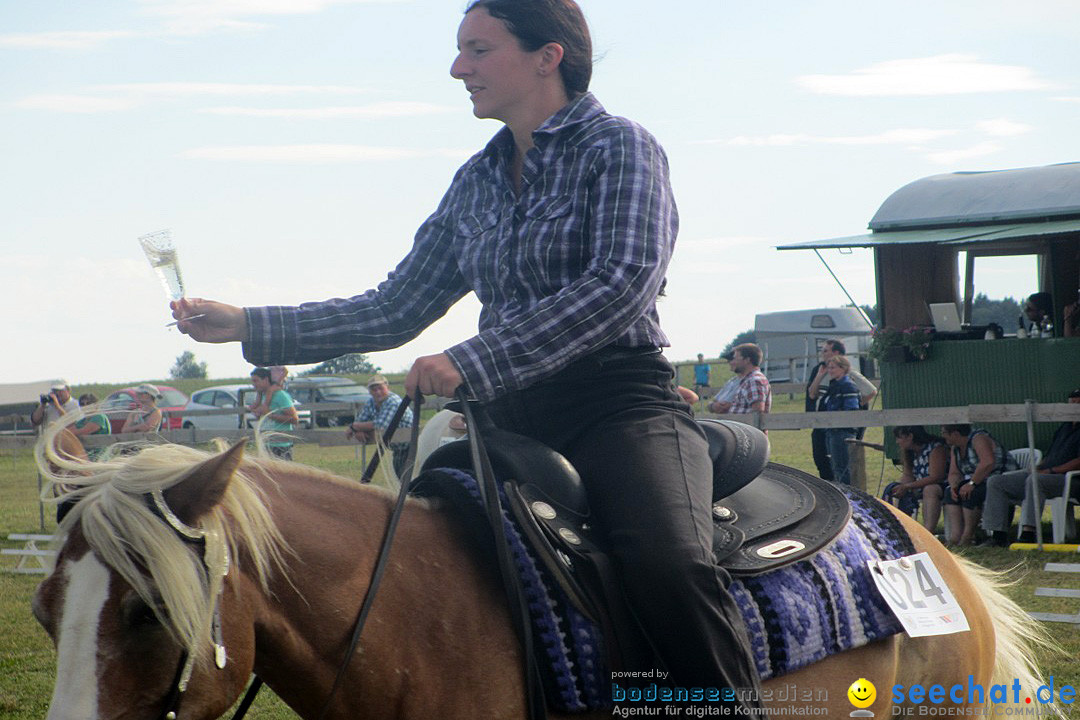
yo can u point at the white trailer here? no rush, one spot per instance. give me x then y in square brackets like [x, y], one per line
[790, 340]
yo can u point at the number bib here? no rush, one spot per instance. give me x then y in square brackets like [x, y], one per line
[914, 590]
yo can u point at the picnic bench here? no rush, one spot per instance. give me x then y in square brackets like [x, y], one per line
[32, 559]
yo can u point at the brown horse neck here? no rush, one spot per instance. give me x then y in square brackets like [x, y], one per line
[439, 625]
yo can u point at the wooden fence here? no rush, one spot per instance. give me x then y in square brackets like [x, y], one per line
[1028, 413]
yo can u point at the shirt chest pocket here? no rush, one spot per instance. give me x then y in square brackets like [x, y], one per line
[476, 224]
[550, 209]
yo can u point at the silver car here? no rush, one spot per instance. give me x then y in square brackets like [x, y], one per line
[228, 397]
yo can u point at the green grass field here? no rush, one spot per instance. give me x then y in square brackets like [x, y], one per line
[27, 662]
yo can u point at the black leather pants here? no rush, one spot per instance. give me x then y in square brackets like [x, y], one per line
[645, 466]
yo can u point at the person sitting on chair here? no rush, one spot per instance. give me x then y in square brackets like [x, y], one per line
[925, 462]
[1007, 489]
[975, 456]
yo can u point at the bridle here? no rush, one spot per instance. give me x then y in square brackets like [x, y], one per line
[485, 477]
[196, 537]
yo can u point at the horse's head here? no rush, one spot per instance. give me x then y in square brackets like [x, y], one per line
[146, 587]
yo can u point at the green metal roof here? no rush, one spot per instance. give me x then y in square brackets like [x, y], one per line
[963, 208]
[950, 236]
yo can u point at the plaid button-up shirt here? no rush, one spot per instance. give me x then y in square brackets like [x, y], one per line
[381, 415]
[572, 263]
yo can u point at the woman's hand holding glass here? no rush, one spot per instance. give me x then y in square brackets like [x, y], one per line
[209, 321]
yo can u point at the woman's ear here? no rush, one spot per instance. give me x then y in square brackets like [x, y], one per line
[550, 57]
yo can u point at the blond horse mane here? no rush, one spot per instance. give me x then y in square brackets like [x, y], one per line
[172, 576]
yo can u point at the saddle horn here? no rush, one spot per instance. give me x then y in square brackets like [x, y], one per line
[739, 453]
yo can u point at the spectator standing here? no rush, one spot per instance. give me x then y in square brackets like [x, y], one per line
[751, 388]
[816, 392]
[925, 463]
[278, 373]
[1010, 488]
[375, 417]
[727, 392]
[277, 408]
[975, 455]
[51, 407]
[701, 375]
[147, 416]
[94, 424]
[843, 395]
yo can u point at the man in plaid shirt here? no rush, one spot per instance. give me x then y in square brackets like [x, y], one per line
[376, 416]
[753, 393]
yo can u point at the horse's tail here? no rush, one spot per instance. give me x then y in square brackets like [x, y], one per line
[1017, 637]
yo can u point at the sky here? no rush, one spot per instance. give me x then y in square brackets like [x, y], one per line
[292, 148]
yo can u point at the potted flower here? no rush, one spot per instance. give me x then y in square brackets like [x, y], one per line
[892, 345]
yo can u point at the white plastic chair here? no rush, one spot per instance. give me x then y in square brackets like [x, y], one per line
[1022, 457]
[1061, 512]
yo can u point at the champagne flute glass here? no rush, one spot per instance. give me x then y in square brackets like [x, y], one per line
[161, 253]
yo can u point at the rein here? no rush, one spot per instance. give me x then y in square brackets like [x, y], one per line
[519, 606]
[485, 475]
[380, 563]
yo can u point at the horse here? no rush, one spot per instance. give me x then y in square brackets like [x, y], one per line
[182, 568]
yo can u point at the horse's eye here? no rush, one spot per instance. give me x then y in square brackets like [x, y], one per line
[138, 614]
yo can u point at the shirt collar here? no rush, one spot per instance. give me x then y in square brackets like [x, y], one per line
[581, 109]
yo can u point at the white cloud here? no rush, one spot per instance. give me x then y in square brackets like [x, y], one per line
[1066, 98]
[182, 89]
[198, 16]
[951, 157]
[1003, 127]
[315, 154]
[125, 96]
[64, 40]
[74, 103]
[374, 110]
[899, 136]
[951, 74]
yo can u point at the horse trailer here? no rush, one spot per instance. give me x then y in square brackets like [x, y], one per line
[790, 340]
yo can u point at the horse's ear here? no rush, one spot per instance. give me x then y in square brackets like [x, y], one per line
[198, 493]
[68, 446]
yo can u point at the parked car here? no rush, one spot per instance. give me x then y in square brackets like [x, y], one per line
[118, 404]
[320, 389]
[218, 397]
[228, 396]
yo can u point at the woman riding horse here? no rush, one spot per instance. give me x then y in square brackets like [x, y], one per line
[563, 226]
[178, 566]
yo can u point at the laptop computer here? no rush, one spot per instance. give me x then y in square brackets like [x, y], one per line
[945, 317]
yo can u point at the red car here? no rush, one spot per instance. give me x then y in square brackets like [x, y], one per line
[118, 404]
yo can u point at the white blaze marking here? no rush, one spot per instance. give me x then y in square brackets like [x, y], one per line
[76, 694]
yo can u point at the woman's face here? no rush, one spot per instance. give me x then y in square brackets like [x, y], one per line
[144, 398]
[835, 371]
[500, 76]
[905, 442]
[260, 383]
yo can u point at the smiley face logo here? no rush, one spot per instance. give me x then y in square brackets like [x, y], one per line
[862, 693]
